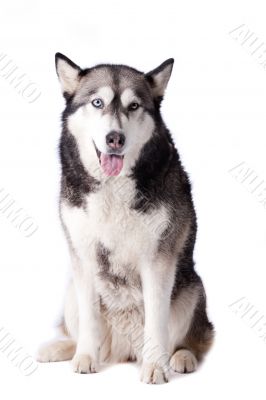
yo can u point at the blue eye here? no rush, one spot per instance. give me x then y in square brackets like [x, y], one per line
[97, 103]
[133, 106]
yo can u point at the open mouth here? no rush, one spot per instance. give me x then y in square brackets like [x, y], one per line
[111, 164]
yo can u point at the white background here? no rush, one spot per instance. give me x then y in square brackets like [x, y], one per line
[215, 108]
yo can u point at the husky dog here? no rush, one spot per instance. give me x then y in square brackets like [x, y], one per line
[128, 216]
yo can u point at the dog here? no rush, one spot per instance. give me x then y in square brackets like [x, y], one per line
[127, 212]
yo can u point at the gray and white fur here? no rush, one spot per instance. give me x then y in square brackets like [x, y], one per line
[128, 216]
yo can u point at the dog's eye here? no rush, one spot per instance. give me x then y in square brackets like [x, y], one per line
[133, 106]
[97, 103]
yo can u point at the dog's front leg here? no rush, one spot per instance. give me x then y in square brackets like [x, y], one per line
[157, 282]
[86, 358]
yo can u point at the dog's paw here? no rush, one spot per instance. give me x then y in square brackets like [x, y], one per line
[153, 373]
[47, 353]
[84, 364]
[183, 361]
[60, 350]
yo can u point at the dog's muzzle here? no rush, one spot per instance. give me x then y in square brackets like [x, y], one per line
[112, 161]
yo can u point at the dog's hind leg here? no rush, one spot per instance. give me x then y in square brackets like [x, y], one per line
[60, 350]
[63, 348]
[196, 329]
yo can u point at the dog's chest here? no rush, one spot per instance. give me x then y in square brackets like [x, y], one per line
[129, 234]
[118, 239]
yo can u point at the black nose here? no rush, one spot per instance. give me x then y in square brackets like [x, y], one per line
[115, 140]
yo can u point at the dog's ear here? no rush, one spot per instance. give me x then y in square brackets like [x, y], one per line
[68, 73]
[159, 77]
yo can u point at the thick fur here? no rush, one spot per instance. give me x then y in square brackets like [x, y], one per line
[135, 294]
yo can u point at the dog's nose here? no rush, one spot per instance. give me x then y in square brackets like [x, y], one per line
[115, 140]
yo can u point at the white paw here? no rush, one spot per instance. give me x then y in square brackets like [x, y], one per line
[183, 361]
[56, 351]
[153, 373]
[84, 364]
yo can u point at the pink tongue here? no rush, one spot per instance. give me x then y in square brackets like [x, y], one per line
[111, 164]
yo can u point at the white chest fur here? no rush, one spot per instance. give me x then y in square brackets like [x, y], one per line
[130, 236]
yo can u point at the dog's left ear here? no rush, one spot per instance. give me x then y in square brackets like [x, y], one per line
[159, 77]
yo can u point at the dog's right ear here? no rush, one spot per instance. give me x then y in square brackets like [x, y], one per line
[69, 74]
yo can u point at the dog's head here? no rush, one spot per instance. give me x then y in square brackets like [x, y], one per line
[111, 110]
